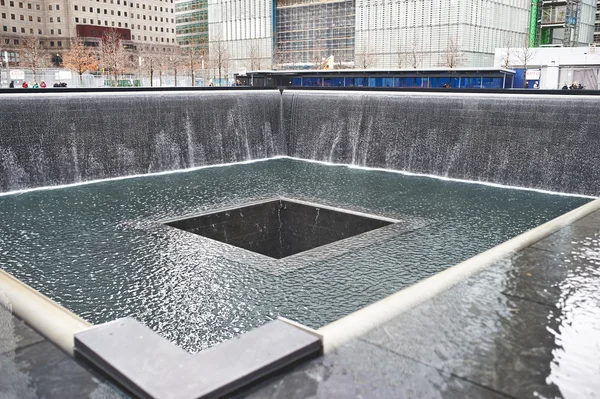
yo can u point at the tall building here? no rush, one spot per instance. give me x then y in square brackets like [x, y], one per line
[191, 19]
[411, 34]
[597, 24]
[243, 30]
[56, 22]
[308, 32]
[366, 33]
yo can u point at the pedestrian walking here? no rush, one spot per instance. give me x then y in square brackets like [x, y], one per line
[12, 84]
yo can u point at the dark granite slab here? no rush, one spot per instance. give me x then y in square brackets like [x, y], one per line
[152, 367]
[592, 220]
[573, 236]
[363, 370]
[31, 367]
[14, 333]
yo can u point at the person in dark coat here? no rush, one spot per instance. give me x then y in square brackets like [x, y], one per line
[12, 84]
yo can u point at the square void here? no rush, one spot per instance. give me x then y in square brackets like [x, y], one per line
[279, 228]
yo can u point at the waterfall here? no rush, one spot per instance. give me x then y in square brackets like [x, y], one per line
[544, 142]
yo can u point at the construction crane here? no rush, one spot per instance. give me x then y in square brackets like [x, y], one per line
[327, 64]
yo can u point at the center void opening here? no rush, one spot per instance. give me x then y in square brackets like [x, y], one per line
[279, 228]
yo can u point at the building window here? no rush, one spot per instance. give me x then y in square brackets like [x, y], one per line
[59, 43]
[60, 31]
[39, 19]
[30, 18]
[20, 5]
[3, 15]
[51, 31]
[22, 30]
[51, 44]
[50, 8]
[37, 7]
[76, 20]
[51, 19]
[76, 8]
[39, 31]
[57, 19]
[22, 17]
[12, 3]
[29, 6]
[16, 41]
[105, 11]
[91, 22]
[57, 7]
[85, 20]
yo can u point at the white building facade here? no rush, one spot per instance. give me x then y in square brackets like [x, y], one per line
[244, 30]
[417, 33]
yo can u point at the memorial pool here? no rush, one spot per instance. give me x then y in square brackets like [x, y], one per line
[103, 251]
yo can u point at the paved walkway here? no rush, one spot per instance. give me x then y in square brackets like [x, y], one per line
[31, 367]
[526, 327]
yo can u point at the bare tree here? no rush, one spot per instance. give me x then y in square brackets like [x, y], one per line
[400, 57]
[452, 56]
[194, 58]
[149, 62]
[366, 57]
[176, 62]
[219, 56]
[33, 54]
[80, 58]
[255, 56]
[525, 54]
[115, 58]
[506, 54]
[414, 56]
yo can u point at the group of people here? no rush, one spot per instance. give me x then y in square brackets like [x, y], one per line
[35, 85]
[574, 86]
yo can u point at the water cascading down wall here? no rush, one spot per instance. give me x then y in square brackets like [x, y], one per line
[536, 141]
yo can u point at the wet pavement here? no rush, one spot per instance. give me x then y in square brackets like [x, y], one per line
[528, 326]
[31, 367]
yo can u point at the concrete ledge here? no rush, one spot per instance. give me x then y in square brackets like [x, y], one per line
[360, 322]
[152, 367]
[49, 319]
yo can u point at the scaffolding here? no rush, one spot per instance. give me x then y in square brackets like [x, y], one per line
[310, 31]
[559, 23]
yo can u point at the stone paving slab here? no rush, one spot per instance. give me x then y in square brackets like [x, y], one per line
[363, 370]
[31, 367]
[14, 333]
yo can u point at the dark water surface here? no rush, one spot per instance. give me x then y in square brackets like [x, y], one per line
[100, 250]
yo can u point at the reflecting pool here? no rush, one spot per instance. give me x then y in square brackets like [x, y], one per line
[103, 250]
